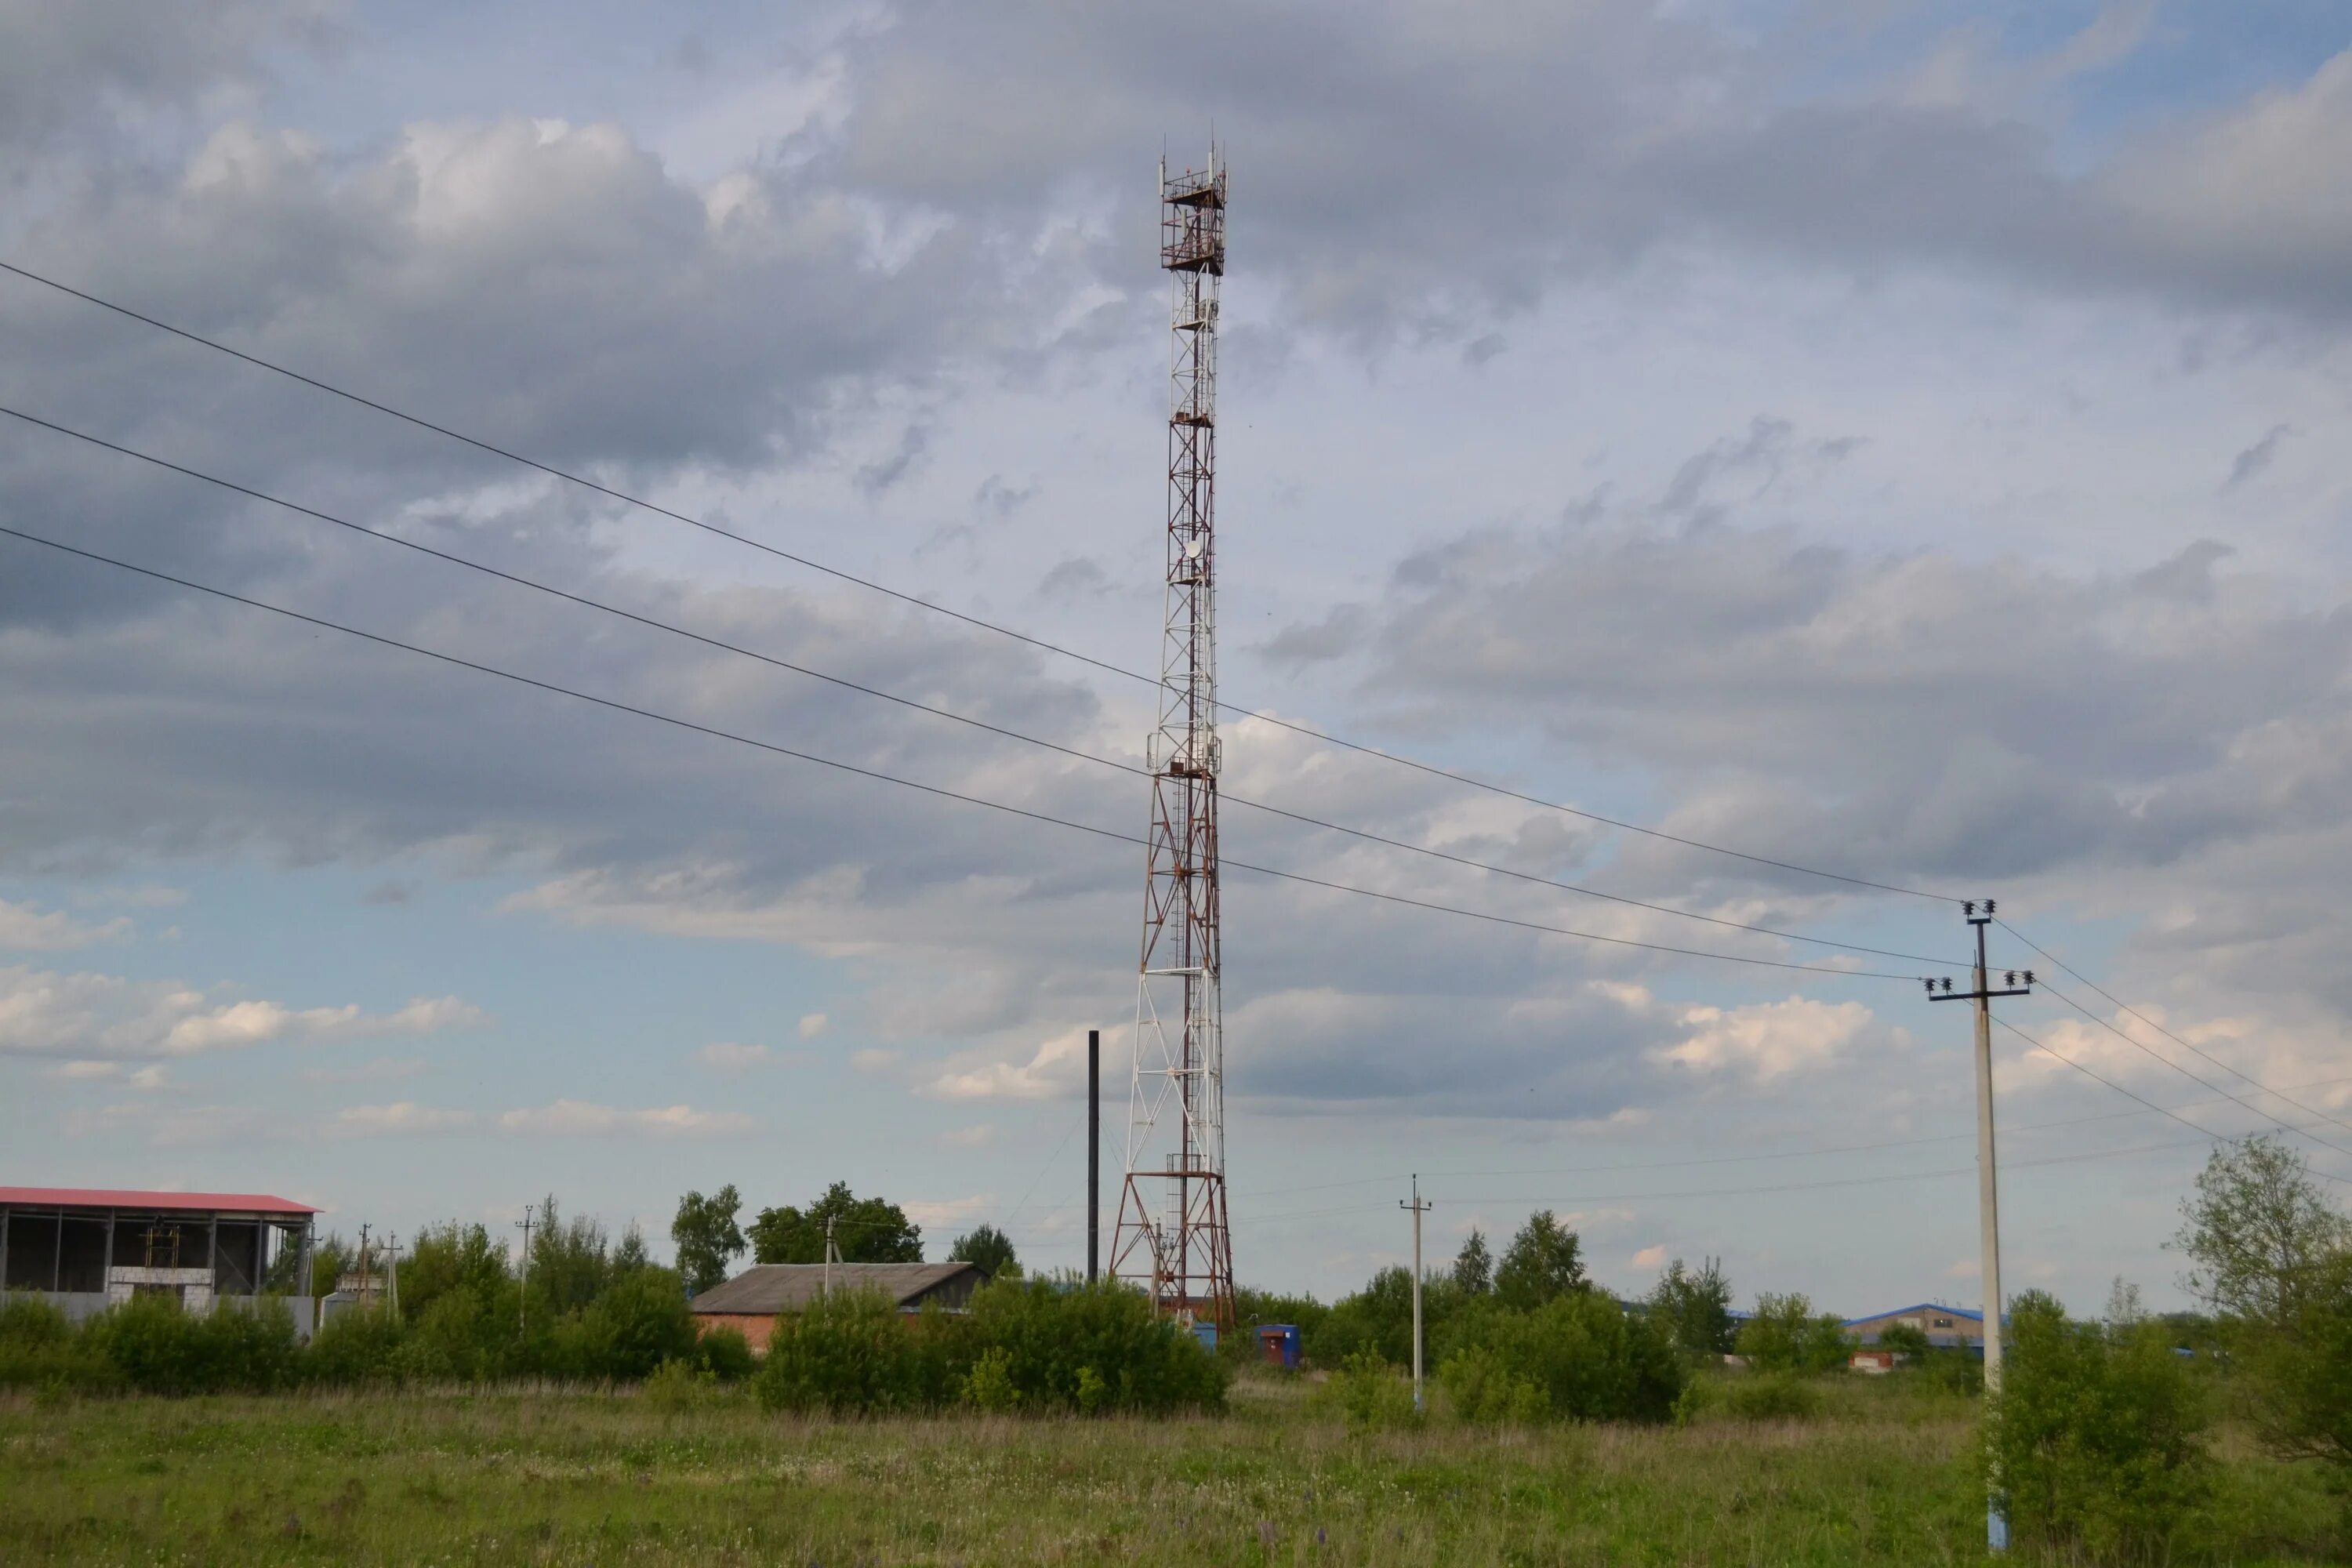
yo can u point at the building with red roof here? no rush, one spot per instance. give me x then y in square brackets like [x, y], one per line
[87, 1249]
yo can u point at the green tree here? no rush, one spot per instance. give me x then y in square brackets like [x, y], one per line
[991, 1248]
[2097, 1437]
[1785, 1334]
[1474, 1266]
[708, 1237]
[865, 1230]
[1545, 1262]
[1694, 1307]
[448, 1259]
[2302, 1371]
[2258, 1230]
[331, 1255]
[570, 1262]
[1908, 1340]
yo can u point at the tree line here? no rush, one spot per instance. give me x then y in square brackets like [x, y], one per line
[710, 1236]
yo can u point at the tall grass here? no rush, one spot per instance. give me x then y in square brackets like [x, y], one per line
[698, 1473]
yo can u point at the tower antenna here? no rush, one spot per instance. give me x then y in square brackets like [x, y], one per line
[1179, 1247]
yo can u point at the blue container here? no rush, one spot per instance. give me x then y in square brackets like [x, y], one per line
[1207, 1334]
[1279, 1343]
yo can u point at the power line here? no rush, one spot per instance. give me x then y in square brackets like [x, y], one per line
[936, 790]
[2176, 1066]
[1820, 1152]
[932, 709]
[1041, 644]
[2159, 1028]
[1943, 1174]
[2086, 1072]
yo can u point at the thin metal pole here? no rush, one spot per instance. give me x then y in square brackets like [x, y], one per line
[1419, 1209]
[522, 1292]
[1094, 1155]
[828, 1256]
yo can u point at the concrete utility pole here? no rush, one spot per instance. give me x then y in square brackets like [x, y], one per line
[522, 1296]
[1419, 1209]
[1981, 993]
[828, 1255]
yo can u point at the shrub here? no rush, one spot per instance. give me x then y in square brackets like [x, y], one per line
[2095, 1438]
[1483, 1388]
[159, 1349]
[1908, 1341]
[1955, 1370]
[681, 1385]
[636, 1326]
[1772, 1396]
[39, 1349]
[726, 1355]
[1369, 1394]
[1054, 1333]
[1786, 1336]
[458, 1339]
[29, 1323]
[989, 1385]
[847, 1352]
[356, 1347]
[1591, 1360]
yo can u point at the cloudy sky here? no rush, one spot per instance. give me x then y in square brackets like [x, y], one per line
[1896, 437]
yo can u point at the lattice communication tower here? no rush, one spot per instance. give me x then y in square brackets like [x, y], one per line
[1172, 1235]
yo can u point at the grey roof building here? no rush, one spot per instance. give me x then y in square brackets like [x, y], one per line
[752, 1299]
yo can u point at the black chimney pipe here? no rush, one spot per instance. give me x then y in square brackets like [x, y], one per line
[1094, 1154]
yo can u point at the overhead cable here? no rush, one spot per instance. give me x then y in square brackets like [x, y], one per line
[932, 709]
[2086, 1072]
[1043, 645]
[934, 790]
[2214, 1088]
[2159, 1028]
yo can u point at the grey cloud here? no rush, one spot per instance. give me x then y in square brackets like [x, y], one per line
[2042, 720]
[112, 67]
[2250, 463]
[1436, 170]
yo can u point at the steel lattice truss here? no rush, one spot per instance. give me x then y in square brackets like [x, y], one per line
[1172, 1235]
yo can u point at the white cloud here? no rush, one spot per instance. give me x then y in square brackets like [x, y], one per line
[147, 896]
[1650, 1257]
[152, 1076]
[102, 1016]
[727, 1056]
[382, 1069]
[574, 1117]
[400, 1118]
[28, 930]
[947, 1214]
[1054, 1069]
[1767, 1040]
[872, 1061]
[979, 1136]
[240, 1023]
[812, 1026]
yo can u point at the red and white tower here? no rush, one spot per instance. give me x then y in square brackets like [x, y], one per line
[1172, 1235]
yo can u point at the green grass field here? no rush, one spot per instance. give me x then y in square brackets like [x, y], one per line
[562, 1477]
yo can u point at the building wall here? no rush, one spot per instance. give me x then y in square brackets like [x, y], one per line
[1942, 1328]
[754, 1329]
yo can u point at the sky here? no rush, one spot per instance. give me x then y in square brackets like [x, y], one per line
[1893, 438]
